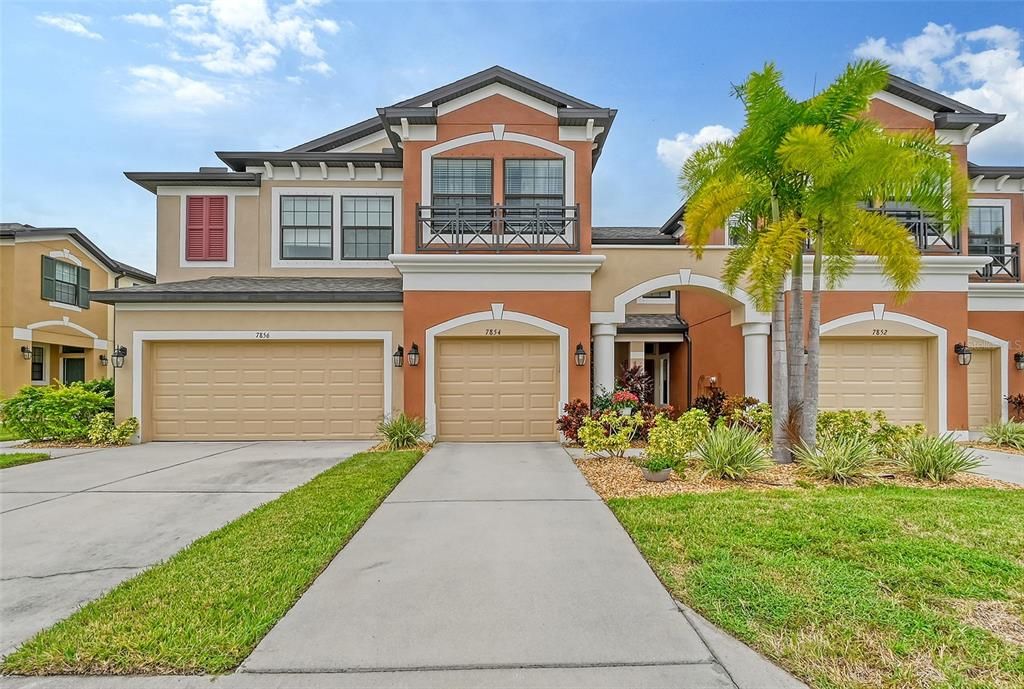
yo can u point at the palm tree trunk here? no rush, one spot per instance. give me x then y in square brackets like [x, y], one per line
[780, 390]
[795, 353]
[810, 408]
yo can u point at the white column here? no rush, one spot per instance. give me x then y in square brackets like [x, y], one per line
[604, 357]
[755, 360]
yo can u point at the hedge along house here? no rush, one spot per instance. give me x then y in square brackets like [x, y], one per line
[439, 258]
[50, 327]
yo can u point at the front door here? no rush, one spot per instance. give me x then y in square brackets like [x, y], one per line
[73, 371]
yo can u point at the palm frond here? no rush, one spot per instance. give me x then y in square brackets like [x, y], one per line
[879, 235]
[773, 254]
[709, 209]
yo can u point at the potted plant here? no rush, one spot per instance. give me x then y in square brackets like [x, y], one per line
[656, 469]
[625, 401]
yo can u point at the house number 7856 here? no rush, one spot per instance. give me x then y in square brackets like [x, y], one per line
[262, 335]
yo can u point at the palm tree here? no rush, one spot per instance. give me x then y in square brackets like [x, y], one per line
[799, 174]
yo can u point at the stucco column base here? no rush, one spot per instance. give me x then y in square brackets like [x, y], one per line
[604, 357]
[755, 360]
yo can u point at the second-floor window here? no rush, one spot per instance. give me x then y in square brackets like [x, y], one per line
[532, 183]
[985, 227]
[206, 228]
[462, 191]
[367, 227]
[65, 283]
[306, 227]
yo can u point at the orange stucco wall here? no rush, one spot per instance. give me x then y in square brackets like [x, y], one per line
[1005, 325]
[895, 118]
[478, 117]
[717, 345]
[423, 310]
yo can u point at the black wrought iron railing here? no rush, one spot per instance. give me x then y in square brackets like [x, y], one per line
[497, 228]
[930, 234]
[1005, 263]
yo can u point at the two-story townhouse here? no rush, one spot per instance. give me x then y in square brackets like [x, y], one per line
[439, 258]
[50, 328]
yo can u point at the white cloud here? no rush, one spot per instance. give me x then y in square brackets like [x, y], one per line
[165, 90]
[72, 23]
[674, 152]
[153, 21]
[981, 68]
[319, 67]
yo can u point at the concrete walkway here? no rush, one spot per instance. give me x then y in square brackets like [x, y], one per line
[73, 528]
[1003, 466]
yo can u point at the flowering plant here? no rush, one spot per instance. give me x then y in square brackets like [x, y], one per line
[624, 399]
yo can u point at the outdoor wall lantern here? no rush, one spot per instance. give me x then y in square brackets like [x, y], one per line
[1018, 360]
[963, 353]
[414, 355]
[118, 356]
[399, 356]
[26, 353]
[581, 355]
[104, 360]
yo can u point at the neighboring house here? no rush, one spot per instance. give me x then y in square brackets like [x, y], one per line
[439, 258]
[50, 328]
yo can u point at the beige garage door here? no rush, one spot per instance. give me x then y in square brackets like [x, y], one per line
[979, 389]
[265, 390]
[876, 374]
[497, 389]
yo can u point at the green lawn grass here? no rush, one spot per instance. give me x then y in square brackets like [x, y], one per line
[206, 608]
[865, 587]
[14, 459]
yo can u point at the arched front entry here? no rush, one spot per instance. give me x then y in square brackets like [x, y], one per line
[754, 328]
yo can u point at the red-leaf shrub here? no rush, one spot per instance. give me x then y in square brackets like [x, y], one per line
[571, 420]
[637, 381]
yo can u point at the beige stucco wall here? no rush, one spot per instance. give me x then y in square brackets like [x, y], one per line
[21, 305]
[252, 235]
[625, 268]
[130, 321]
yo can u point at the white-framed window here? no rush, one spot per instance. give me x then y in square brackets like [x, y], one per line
[986, 224]
[335, 227]
[39, 365]
[665, 296]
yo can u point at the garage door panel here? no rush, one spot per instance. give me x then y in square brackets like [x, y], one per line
[500, 389]
[980, 390]
[885, 375]
[279, 390]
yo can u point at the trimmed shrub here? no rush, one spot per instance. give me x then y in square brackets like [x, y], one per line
[102, 386]
[886, 437]
[611, 435]
[732, 452]
[571, 420]
[673, 441]
[840, 459]
[936, 458]
[123, 432]
[1009, 434]
[401, 432]
[62, 413]
[712, 404]
[656, 464]
[757, 418]
[102, 430]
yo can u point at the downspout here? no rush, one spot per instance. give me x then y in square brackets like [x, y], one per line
[689, 367]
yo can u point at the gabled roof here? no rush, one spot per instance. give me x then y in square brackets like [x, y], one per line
[422, 109]
[949, 113]
[13, 230]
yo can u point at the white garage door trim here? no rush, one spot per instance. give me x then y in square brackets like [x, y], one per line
[497, 312]
[878, 313]
[142, 336]
[1004, 367]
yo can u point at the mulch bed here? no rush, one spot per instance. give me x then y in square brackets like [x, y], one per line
[617, 477]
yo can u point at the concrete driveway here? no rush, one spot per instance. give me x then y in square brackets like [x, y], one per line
[72, 528]
[1003, 466]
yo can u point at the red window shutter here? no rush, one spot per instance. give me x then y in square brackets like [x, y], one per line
[217, 228]
[206, 228]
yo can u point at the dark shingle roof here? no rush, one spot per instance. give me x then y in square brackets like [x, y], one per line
[629, 235]
[15, 229]
[261, 290]
[638, 323]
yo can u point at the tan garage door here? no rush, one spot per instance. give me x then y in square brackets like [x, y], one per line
[979, 389]
[876, 374]
[265, 390]
[497, 389]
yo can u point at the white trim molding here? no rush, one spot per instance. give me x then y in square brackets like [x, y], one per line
[1004, 367]
[26, 332]
[183, 193]
[743, 310]
[496, 89]
[995, 296]
[65, 255]
[336, 194]
[432, 333]
[141, 337]
[509, 273]
[937, 274]
[930, 328]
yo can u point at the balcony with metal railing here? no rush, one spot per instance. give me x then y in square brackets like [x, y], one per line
[1005, 263]
[493, 229]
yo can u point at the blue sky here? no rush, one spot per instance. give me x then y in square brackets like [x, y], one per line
[90, 89]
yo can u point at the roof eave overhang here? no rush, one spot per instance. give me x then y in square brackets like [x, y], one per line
[240, 160]
[151, 180]
[962, 120]
[154, 297]
[995, 171]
